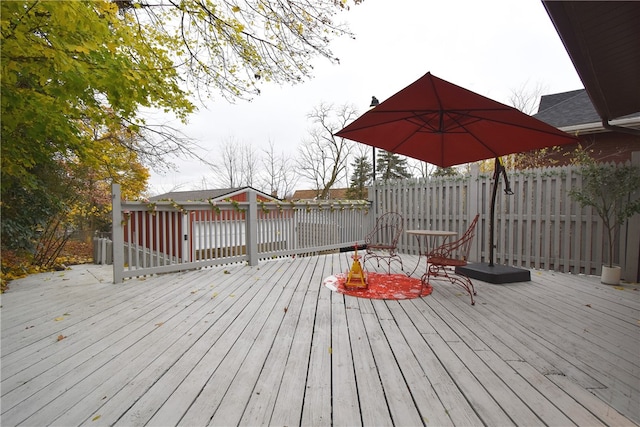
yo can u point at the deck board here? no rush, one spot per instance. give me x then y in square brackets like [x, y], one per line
[346, 407]
[447, 393]
[269, 345]
[370, 391]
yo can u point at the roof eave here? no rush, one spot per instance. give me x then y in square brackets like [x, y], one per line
[597, 127]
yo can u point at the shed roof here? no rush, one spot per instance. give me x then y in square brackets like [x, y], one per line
[215, 194]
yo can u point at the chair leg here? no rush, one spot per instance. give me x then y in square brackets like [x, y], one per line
[397, 259]
[466, 283]
[434, 270]
[387, 259]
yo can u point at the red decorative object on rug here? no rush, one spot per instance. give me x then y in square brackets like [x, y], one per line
[381, 286]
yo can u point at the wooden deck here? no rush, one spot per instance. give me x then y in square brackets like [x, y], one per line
[269, 345]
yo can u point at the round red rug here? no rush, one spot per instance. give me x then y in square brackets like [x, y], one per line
[380, 286]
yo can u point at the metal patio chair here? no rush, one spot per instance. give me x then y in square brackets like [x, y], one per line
[382, 241]
[443, 260]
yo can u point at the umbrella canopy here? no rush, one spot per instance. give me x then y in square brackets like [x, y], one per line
[445, 125]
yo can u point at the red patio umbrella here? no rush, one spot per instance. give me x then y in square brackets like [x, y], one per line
[445, 125]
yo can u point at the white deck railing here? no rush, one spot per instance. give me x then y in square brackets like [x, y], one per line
[161, 237]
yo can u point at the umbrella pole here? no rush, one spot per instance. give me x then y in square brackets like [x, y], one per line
[488, 272]
[494, 193]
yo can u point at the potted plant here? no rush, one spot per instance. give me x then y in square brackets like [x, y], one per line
[609, 190]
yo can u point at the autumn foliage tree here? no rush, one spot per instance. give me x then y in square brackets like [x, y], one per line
[234, 46]
[69, 68]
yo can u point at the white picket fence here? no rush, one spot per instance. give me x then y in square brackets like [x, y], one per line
[539, 226]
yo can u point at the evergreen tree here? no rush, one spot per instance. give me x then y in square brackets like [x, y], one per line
[440, 172]
[360, 178]
[391, 166]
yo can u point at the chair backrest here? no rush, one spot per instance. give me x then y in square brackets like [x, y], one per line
[458, 249]
[386, 232]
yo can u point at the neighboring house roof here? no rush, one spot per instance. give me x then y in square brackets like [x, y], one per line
[573, 112]
[574, 109]
[567, 109]
[215, 194]
[334, 194]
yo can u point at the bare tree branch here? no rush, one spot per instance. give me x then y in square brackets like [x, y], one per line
[324, 157]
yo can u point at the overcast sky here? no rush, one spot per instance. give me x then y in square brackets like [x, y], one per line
[492, 47]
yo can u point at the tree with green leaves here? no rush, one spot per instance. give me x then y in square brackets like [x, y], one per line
[360, 178]
[611, 190]
[71, 67]
[391, 166]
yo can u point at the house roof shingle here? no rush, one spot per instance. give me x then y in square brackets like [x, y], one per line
[569, 109]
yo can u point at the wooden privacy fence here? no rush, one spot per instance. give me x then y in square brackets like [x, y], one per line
[539, 226]
[162, 237]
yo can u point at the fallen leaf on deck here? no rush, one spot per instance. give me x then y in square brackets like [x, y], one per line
[57, 319]
[160, 324]
[620, 288]
[330, 350]
[215, 294]
[588, 305]
[193, 292]
[285, 309]
[232, 296]
[97, 417]
[61, 337]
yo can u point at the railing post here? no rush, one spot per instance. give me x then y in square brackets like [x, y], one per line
[118, 234]
[252, 228]
[186, 236]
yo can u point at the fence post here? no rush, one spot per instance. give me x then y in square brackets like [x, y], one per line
[117, 234]
[631, 272]
[252, 228]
